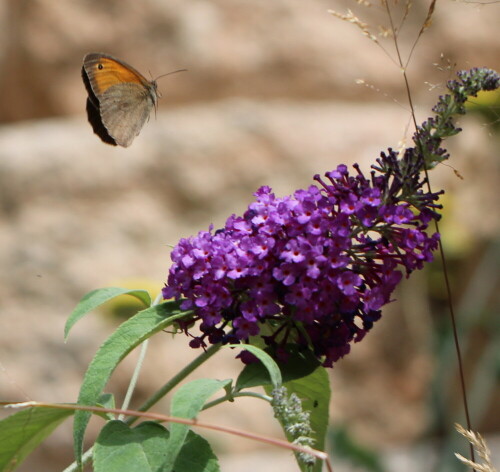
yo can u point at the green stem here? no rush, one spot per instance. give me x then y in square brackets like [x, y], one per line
[235, 395]
[174, 381]
[158, 395]
[138, 367]
[135, 376]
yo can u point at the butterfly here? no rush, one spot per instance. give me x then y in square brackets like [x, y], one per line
[120, 98]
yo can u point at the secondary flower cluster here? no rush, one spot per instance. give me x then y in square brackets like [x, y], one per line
[314, 268]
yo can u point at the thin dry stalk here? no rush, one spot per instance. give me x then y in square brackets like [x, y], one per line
[384, 32]
[479, 444]
[350, 17]
[403, 66]
[425, 25]
[408, 5]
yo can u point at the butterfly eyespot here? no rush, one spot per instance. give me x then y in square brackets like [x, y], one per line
[100, 67]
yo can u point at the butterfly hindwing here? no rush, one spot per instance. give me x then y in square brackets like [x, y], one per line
[124, 110]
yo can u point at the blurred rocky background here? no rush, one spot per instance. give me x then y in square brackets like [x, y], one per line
[276, 91]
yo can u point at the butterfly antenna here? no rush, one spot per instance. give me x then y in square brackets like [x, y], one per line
[164, 75]
[170, 73]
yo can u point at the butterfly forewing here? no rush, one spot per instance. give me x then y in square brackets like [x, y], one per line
[104, 71]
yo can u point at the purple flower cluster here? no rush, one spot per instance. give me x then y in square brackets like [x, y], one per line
[314, 268]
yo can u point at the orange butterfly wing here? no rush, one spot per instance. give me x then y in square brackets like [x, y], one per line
[104, 71]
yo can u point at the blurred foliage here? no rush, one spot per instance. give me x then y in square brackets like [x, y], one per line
[345, 447]
[487, 104]
[476, 311]
[457, 235]
[475, 281]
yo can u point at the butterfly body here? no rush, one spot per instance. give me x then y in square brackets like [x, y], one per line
[120, 98]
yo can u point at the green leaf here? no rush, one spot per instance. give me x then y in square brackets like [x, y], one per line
[187, 403]
[144, 449]
[140, 449]
[299, 364]
[196, 456]
[106, 400]
[257, 376]
[23, 431]
[314, 391]
[129, 335]
[93, 299]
